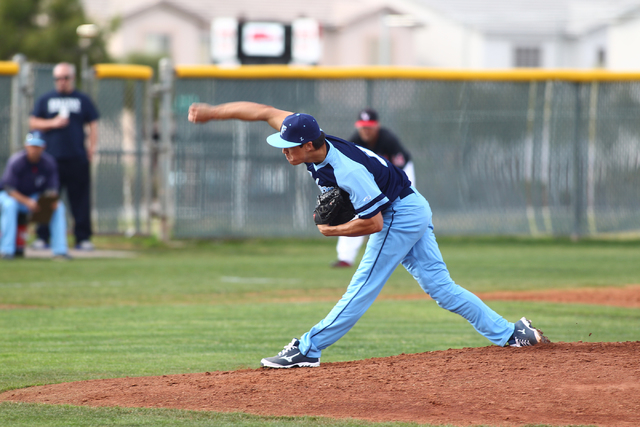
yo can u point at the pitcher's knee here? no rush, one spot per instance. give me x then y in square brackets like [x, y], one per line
[447, 295]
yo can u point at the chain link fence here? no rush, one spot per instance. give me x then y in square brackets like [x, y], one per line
[122, 174]
[495, 153]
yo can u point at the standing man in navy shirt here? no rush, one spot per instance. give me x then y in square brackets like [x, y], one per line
[30, 173]
[67, 118]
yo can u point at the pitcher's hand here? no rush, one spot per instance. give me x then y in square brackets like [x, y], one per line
[200, 113]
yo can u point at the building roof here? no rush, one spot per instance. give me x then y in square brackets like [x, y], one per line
[554, 17]
[169, 6]
[277, 10]
[566, 17]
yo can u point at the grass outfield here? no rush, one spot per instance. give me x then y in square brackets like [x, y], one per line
[203, 306]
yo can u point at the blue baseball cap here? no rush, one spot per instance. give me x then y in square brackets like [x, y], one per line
[35, 138]
[296, 129]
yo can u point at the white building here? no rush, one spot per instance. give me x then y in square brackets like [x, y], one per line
[435, 33]
[549, 33]
[624, 37]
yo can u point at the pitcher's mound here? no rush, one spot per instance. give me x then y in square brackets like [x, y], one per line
[556, 384]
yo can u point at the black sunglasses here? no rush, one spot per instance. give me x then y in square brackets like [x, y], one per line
[62, 78]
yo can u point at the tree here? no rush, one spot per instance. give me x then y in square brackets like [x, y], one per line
[45, 31]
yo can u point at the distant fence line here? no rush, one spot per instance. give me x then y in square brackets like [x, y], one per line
[521, 152]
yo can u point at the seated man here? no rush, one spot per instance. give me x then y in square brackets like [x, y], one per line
[30, 173]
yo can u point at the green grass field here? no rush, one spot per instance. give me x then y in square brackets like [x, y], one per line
[201, 306]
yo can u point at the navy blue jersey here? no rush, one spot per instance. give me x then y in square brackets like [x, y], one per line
[66, 142]
[30, 178]
[371, 181]
[387, 145]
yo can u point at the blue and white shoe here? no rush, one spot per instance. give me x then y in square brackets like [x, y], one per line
[290, 357]
[526, 335]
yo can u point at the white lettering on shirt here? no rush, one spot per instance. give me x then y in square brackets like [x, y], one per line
[372, 154]
[72, 105]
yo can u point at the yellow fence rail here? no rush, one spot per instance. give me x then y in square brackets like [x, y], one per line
[375, 72]
[123, 71]
[9, 68]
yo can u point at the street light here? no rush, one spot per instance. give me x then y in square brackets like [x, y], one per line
[86, 32]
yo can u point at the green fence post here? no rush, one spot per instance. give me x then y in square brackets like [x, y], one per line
[578, 173]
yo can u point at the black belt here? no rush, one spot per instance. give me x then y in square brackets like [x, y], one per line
[404, 193]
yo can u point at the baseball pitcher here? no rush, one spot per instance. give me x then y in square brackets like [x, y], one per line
[388, 209]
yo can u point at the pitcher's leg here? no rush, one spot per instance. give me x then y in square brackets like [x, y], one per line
[383, 254]
[373, 272]
[425, 263]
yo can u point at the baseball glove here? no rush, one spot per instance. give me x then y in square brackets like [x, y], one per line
[333, 208]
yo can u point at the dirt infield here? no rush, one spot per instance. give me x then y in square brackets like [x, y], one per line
[555, 384]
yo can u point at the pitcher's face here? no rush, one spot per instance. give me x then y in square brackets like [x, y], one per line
[295, 155]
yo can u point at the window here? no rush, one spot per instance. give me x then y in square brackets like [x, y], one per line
[601, 58]
[157, 43]
[527, 57]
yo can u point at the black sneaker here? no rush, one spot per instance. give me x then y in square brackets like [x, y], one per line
[290, 357]
[526, 335]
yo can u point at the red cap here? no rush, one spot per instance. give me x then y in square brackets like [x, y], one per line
[367, 117]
